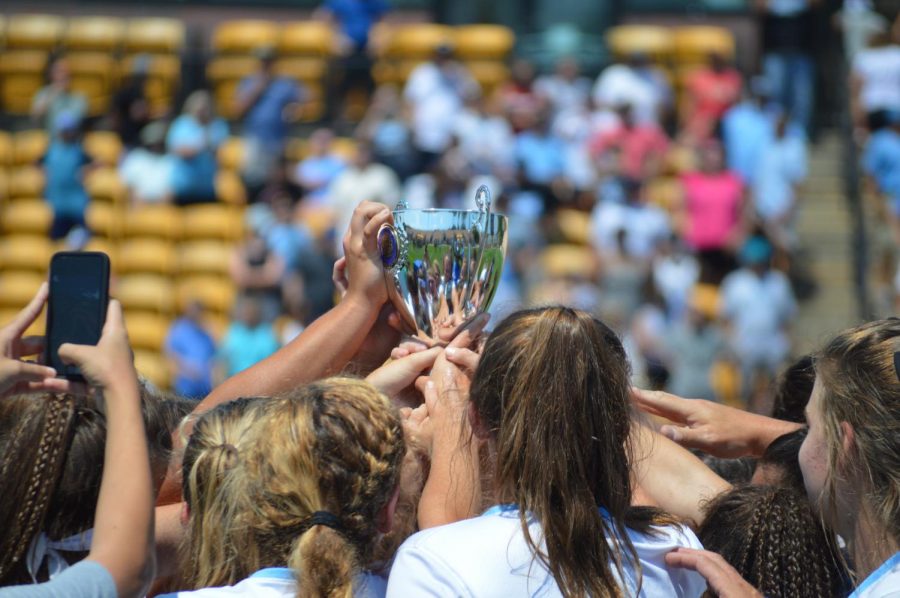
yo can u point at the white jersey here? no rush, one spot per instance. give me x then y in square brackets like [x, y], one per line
[884, 582]
[488, 556]
[278, 582]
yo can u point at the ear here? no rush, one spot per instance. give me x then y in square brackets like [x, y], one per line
[385, 519]
[478, 428]
[185, 514]
[848, 441]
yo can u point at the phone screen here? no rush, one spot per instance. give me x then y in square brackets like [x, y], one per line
[79, 293]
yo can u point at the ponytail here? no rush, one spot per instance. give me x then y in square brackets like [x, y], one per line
[325, 563]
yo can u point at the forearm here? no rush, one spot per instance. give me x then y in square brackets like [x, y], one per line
[123, 528]
[762, 431]
[452, 491]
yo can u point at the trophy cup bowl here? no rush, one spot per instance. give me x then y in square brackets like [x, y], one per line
[442, 267]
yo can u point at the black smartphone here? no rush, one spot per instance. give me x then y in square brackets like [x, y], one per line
[76, 309]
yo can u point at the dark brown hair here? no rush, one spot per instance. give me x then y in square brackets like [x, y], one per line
[775, 541]
[552, 387]
[793, 389]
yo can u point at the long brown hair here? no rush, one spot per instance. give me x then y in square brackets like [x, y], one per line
[859, 371]
[334, 446]
[552, 387]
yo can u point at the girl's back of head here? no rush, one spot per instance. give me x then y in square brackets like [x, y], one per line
[552, 388]
[775, 541]
[311, 484]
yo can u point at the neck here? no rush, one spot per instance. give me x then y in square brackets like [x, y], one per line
[869, 545]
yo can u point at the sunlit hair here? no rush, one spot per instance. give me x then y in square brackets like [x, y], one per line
[334, 446]
[206, 559]
[775, 541]
[860, 386]
[552, 387]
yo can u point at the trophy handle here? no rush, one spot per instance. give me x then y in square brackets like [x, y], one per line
[392, 245]
[483, 201]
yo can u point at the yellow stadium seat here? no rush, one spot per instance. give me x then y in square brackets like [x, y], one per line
[34, 31]
[147, 256]
[318, 220]
[107, 247]
[8, 314]
[2, 30]
[146, 292]
[26, 181]
[104, 220]
[490, 74]
[306, 38]
[569, 261]
[652, 40]
[417, 40]
[679, 159]
[94, 75]
[18, 287]
[304, 70]
[21, 76]
[693, 44]
[212, 221]
[27, 216]
[152, 367]
[205, 257]
[104, 184]
[163, 79]
[483, 41]
[243, 36]
[31, 252]
[6, 149]
[574, 225]
[230, 154]
[154, 35]
[147, 330]
[104, 147]
[29, 146]
[215, 293]
[344, 147]
[229, 188]
[216, 324]
[224, 74]
[100, 34]
[664, 192]
[296, 149]
[4, 186]
[161, 221]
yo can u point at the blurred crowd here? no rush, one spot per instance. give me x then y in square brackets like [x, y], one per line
[669, 213]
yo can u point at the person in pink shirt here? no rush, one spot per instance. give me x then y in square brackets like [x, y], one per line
[642, 146]
[710, 92]
[713, 217]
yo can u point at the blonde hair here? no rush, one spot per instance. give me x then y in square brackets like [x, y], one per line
[861, 385]
[210, 454]
[334, 446]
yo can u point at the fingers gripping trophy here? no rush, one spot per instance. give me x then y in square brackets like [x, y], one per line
[442, 267]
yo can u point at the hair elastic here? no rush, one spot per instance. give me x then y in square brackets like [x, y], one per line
[897, 365]
[327, 519]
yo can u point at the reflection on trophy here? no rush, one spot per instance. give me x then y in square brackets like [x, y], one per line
[442, 267]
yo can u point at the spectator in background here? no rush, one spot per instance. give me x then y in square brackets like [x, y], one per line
[713, 213]
[258, 271]
[249, 340]
[644, 225]
[694, 344]
[64, 165]
[758, 304]
[286, 239]
[266, 104]
[355, 19]
[192, 140]
[858, 22]
[875, 83]
[638, 84]
[435, 92]
[147, 170]
[362, 180]
[746, 130]
[642, 146]
[389, 133]
[191, 351]
[485, 137]
[540, 156]
[675, 274]
[519, 97]
[315, 173]
[130, 107]
[565, 89]
[709, 93]
[881, 162]
[781, 170]
[58, 97]
[788, 63]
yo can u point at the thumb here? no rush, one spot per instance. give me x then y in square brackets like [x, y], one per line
[74, 354]
[423, 359]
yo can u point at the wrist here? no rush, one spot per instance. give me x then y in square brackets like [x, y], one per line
[767, 430]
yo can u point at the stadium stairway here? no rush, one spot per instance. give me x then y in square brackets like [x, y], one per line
[825, 230]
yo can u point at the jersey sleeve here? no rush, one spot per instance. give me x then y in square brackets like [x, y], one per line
[86, 579]
[419, 572]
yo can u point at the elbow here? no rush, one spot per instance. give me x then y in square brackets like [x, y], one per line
[139, 583]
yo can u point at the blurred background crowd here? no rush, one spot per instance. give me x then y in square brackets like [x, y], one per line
[697, 176]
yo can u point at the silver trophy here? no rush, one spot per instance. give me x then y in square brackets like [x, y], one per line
[442, 267]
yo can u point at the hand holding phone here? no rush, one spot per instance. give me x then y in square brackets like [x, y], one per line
[76, 311]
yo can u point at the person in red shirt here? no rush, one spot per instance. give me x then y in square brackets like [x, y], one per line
[642, 146]
[709, 93]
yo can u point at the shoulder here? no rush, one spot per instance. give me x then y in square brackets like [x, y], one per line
[87, 579]
[257, 586]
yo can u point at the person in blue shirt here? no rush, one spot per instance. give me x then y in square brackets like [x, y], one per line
[192, 351]
[541, 159]
[267, 104]
[64, 165]
[881, 161]
[193, 139]
[747, 127]
[249, 339]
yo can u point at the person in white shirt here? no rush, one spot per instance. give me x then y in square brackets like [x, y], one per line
[645, 225]
[549, 412]
[297, 502]
[875, 82]
[636, 83]
[147, 170]
[565, 89]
